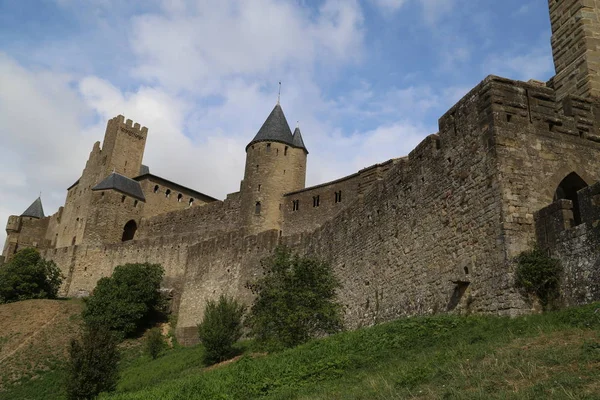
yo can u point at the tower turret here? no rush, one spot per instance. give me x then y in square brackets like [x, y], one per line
[275, 164]
[575, 47]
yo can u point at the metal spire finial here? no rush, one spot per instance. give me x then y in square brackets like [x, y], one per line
[279, 94]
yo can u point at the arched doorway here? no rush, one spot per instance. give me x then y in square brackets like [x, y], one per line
[129, 231]
[567, 189]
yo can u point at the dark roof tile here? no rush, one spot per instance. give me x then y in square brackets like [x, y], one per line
[122, 184]
[35, 210]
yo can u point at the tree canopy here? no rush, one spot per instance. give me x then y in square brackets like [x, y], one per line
[28, 276]
[126, 300]
[295, 300]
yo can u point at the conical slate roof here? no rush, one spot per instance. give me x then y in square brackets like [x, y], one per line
[297, 139]
[35, 210]
[122, 184]
[274, 129]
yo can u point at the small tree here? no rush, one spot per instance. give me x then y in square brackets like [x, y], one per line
[539, 274]
[127, 300]
[295, 300]
[29, 276]
[220, 328]
[92, 365]
[155, 343]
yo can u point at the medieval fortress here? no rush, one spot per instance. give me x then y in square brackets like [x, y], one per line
[436, 231]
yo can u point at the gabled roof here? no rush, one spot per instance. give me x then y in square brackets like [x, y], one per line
[121, 184]
[297, 139]
[35, 210]
[176, 186]
[275, 129]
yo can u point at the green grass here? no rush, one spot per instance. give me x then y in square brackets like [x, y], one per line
[549, 356]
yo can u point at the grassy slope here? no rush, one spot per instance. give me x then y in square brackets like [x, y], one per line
[33, 339]
[555, 355]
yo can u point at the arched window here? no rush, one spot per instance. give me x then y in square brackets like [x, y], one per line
[257, 208]
[129, 231]
[268, 147]
[156, 189]
[168, 193]
[191, 201]
[179, 197]
[567, 189]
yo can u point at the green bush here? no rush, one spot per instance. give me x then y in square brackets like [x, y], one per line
[220, 328]
[93, 364]
[295, 300]
[155, 343]
[539, 274]
[29, 276]
[127, 300]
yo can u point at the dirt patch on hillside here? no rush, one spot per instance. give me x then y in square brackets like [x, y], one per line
[34, 336]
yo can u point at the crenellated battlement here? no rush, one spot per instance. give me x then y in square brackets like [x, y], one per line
[129, 126]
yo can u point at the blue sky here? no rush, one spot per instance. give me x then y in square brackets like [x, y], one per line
[367, 80]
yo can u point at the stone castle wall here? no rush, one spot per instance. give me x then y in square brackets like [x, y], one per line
[317, 204]
[163, 196]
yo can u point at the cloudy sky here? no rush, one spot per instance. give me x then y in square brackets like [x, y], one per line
[366, 79]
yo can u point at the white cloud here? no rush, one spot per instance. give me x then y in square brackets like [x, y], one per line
[41, 120]
[536, 64]
[194, 46]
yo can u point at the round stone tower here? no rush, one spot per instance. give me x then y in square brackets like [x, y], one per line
[275, 165]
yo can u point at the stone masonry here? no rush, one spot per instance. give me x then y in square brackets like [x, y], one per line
[434, 231]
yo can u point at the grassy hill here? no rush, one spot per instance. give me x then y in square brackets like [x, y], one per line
[33, 339]
[550, 356]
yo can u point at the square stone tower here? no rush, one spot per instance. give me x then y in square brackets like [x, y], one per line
[576, 47]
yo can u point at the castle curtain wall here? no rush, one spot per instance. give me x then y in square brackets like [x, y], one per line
[537, 147]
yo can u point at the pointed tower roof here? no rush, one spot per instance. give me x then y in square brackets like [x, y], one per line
[35, 210]
[121, 184]
[297, 140]
[274, 129]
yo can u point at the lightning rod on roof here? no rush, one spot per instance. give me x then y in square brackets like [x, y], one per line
[279, 94]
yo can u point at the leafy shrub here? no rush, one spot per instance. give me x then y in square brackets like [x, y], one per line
[127, 300]
[220, 328]
[29, 276]
[539, 274]
[295, 300]
[155, 343]
[92, 365]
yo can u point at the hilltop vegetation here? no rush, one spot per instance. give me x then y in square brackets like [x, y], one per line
[554, 355]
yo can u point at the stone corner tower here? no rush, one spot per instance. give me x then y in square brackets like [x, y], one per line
[576, 47]
[275, 165]
[123, 147]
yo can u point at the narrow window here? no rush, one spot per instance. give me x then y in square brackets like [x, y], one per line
[285, 151]
[191, 202]
[295, 205]
[73, 241]
[315, 201]
[122, 199]
[259, 187]
[338, 196]
[168, 193]
[268, 147]
[135, 203]
[256, 167]
[284, 171]
[179, 197]
[156, 189]
[277, 152]
[257, 208]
